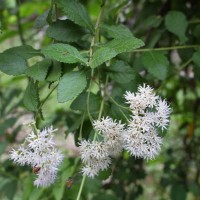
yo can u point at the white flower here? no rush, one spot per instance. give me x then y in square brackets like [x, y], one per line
[92, 169]
[94, 156]
[112, 133]
[163, 112]
[149, 112]
[140, 138]
[40, 152]
[142, 145]
[141, 100]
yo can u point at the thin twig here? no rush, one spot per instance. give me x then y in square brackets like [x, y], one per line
[19, 26]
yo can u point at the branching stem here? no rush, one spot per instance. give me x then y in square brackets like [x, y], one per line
[43, 102]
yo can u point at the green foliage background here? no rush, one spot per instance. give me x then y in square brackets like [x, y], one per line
[44, 73]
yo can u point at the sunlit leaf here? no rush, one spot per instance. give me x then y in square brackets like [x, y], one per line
[63, 53]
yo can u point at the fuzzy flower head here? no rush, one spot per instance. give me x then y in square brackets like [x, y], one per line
[40, 153]
[112, 133]
[139, 101]
[149, 112]
[94, 156]
[151, 107]
[145, 146]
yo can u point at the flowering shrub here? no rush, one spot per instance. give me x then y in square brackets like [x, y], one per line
[106, 75]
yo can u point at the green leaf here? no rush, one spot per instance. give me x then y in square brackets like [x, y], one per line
[41, 20]
[105, 196]
[3, 182]
[60, 186]
[152, 21]
[196, 58]
[54, 71]
[10, 188]
[65, 31]
[156, 64]
[121, 72]
[63, 53]
[31, 100]
[178, 192]
[39, 70]
[12, 64]
[28, 187]
[36, 194]
[102, 55]
[125, 44]
[177, 23]
[24, 51]
[80, 103]
[93, 185]
[117, 31]
[71, 85]
[77, 13]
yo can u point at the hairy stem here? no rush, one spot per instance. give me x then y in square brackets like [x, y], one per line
[167, 48]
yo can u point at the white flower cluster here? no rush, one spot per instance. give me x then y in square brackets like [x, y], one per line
[96, 155]
[149, 113]
[139, 137]
[112, 133]
[41, 154]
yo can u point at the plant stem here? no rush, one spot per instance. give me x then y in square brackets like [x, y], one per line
[81, 127]
[194, 21]
[185, 64]
[124, 115]
[32, 124]
[43, 102]
[81, 188]
[91, 51]
[19, 26]
[118, 104]
[99, 117]
[88, 98]
[167, 48]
